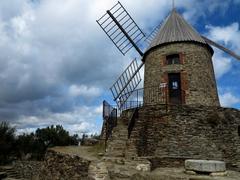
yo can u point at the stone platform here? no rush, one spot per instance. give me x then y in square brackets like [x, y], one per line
[205, 166]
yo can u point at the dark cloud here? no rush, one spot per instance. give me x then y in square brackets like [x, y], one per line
[56, 62]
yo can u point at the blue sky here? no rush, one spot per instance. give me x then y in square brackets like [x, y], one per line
[57, 65]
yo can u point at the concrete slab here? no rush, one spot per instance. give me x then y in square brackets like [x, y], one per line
[205, 166]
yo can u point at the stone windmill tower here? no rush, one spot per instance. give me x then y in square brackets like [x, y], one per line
[179, 57]
[178, 75]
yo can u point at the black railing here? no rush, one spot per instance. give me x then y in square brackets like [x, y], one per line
[150, 95]
[131, 123]
[110, 120]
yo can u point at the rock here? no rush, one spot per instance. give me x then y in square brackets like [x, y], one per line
[205, 166]
[120, 161]
[218, 174]
[3, 175]
[143, 167]
[101, 154]
[59, 165]
[190, 172]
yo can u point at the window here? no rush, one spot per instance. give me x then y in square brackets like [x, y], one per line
[173, 59]
[174, 85]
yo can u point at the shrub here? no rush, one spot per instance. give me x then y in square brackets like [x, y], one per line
[7, 140]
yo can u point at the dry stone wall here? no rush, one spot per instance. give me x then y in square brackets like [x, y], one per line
[64, 166]
[185, 132]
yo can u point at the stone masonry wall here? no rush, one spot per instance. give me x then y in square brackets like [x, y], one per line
[197, 75]
[28, 169]
[188, 132]
[64, 166]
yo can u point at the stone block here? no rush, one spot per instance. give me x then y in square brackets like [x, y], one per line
[143, 167]
[3, 175]
[218, 174]
[207, 166]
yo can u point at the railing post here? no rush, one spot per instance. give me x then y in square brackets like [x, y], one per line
[137, 97]
[166, 96]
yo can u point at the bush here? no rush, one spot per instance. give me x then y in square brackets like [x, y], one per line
[55, 136]
[7, 141]
[34, 144]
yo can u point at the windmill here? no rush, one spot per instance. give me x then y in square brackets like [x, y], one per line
[123, 31]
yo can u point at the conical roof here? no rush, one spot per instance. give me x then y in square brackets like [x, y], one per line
[176, 29]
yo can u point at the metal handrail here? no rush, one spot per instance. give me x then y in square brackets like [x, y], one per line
[147, 95]
[110, 119]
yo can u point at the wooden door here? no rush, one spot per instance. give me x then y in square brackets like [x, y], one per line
[174, 88]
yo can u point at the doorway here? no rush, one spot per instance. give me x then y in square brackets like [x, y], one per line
[174, 88]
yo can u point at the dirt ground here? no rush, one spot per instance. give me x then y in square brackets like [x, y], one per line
[88, 152]
[94, 153]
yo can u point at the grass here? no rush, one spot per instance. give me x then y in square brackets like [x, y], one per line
[88, 152]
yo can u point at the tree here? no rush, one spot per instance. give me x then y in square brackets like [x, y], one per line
[55, 136]
[28, 144]
[7, 140]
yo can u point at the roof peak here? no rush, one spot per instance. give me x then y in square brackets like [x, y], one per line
[173, 4]
[176, 29]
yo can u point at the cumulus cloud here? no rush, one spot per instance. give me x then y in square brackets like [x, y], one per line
[228, 99]
[75, 90]
[81, 120]
[229, 36]
[52, 62]
[56, 62]
[222, 65]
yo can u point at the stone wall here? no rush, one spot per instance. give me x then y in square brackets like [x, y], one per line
[64, 166]
[196, 70]
[187, 132]
[28, 169]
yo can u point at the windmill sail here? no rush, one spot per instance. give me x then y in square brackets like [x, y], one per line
[121, 29]
[125, 34]
[126, 83]
[221, 48]
[152, 35]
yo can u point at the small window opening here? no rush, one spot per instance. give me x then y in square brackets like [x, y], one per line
[174, 85]
[238, 130]
[173, 59]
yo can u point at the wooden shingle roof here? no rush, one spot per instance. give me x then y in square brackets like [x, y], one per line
[176, 29]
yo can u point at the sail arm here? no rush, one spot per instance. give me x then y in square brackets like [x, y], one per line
[233, 54]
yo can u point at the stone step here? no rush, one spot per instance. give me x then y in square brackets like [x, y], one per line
[98, 171]
[3, 175]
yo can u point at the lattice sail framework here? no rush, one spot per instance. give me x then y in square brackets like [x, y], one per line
[152, 35]
[121, 29]
[126, 83]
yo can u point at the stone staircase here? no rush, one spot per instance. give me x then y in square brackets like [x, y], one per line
[98, 171]
[11, 173]
[114, 164]
[116, 144]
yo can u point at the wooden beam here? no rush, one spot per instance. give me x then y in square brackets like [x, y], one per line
[233, 54]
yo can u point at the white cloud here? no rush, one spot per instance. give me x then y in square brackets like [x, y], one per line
[53, 55]
[229, 36]
[82, 119]
[82, 90]
[228, 99]
[222, 65]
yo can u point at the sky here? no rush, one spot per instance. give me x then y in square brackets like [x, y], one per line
[57, 64]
